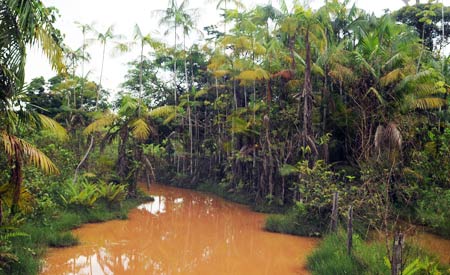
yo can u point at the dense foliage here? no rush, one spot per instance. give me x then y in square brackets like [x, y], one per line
[281, 109]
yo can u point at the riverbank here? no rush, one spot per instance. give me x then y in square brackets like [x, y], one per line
[47, 231]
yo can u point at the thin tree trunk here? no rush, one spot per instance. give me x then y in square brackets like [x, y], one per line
[1, 212]
[189, 108]
[152, 170]
[140, 79]
[175, 66]
[308, 137]
[122, 161]
[307, 92]
[91, 143]
[16, 179]
[101, 76]
[77, 170]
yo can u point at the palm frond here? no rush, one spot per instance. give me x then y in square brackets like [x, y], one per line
[428, 103]
[257, 74]
[200, 93]
[51, 49]
[391, 77]
[56, 128]
[376, 93]
[163, 111]
[140, 129]
[14, 145]
[98, 125]
[220, 73]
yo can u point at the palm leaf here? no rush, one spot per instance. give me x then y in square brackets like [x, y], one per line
[140, 129]
[55, 127]
[376, 93]
[251, 75]
[163, 111]
[220, 73]
[391, 77]
[98, 125]
[428, 103]
[14, 145]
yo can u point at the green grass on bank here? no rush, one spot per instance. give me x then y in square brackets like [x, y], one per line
[291, 223]
[54, 231]
[331, 257]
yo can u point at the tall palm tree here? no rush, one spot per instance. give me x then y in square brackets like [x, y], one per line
[223, 4]
[179, 16]
[187, 23]
[142, 41]
[174, 17]
[103, 37]
[85, 28]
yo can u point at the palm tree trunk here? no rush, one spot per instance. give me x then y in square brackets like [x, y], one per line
[101, 76]
[122, 160]
[140, 80]
[16, 179]
[189, 105]
[307, 92]
[175, 66]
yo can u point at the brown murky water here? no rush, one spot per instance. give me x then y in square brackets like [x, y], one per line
[434, 244]
[182, 232]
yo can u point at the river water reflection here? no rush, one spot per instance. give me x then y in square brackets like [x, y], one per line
[182, 232]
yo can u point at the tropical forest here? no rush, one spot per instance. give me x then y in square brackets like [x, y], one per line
[287, 137]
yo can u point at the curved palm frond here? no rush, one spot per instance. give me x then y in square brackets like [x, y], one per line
[56, 128]
[163, 111]
[257, 74]
[140, 129]
[392, 77]
[428, 103]
[31, 154]
[100, 124]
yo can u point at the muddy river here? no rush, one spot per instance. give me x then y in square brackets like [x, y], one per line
[182, 232]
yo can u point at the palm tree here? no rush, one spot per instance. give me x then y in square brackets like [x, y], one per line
[23, 24]
[173, 17]
[179, 16]
[188, 24]
[143, 40]
[132, 125]
[105, 37]
[85, 28]
[237, 4]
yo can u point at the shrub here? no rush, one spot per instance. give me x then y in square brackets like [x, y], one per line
[433, 210]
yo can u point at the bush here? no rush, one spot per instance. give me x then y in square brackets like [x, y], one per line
[433, 210]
